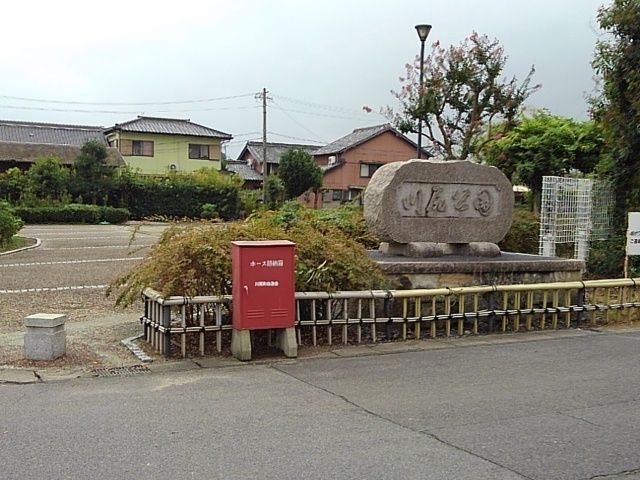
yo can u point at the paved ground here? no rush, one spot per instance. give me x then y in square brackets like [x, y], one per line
[68, 273]
[561, 405]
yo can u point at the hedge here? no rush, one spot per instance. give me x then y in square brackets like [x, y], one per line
[72, 213]
[171, 198]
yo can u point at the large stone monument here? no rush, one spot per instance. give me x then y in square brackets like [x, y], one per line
[440, 221]
[429, 208]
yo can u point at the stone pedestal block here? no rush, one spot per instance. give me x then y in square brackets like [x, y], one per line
[431, 249]
[286, 341]
[241, 344]
[46, 338]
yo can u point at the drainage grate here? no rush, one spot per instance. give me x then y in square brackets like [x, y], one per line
[121, 371]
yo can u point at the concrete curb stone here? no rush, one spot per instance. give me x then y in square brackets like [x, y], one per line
[23, 376]
[22, 249]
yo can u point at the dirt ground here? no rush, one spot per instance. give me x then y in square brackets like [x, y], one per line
[94, 334]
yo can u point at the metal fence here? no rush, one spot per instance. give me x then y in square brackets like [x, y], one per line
[188, 326]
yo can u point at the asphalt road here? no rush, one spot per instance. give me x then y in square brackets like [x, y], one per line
[494, 408]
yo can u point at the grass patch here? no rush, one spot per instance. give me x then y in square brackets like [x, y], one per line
[17, 242]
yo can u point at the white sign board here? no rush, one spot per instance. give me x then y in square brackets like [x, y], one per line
[633, 234]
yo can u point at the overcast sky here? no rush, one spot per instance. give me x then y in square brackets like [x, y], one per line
[321, 61]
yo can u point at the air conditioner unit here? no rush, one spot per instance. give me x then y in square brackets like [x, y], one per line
[332, 160]
[173, 167]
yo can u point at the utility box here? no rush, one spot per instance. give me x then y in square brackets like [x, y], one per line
[263, 293]
[263, 284]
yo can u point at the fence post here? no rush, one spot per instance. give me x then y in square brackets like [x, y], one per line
[145, 319]
[582, 296]
[387, 313]
[166, 323]
[492, 307]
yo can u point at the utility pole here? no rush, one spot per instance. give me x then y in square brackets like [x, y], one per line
[265, 164]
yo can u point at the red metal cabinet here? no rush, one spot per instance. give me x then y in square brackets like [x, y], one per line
[263, 284]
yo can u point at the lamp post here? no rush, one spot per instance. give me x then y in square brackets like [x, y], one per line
[423, 32]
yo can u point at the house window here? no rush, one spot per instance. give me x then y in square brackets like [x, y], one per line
[337, 195]
[141, 148]
[368, 169]
[199, 152]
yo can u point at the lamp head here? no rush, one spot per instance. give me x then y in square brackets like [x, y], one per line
[423, 31]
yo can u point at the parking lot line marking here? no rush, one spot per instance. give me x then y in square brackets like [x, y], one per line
[126, 235]
[74, 232]
[54, 289]
[63, 262]
[137, 245]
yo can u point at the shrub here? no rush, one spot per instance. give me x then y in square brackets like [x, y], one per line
[72, 213]
[209, 211]
[114, 215]
[196, 259]
[249, 202]
[9, 224]
[606, 257]
[350, 219]
[523, 236]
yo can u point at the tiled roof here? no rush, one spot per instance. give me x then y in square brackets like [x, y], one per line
[274, 150]
[355, 138]
[244, 171]
[168, 126]
[49, 133]
[20, 152]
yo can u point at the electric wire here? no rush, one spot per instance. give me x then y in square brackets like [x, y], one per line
[128, 104]
[294, 120]
[120, 112]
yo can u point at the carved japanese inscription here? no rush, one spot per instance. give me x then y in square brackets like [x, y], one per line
[448, 200]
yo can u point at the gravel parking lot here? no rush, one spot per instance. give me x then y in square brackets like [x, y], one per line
[68, 273]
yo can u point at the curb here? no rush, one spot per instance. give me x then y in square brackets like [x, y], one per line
[22, 249]
[25, 376]
[137, 351]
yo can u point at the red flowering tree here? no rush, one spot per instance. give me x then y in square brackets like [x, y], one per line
[462, 94]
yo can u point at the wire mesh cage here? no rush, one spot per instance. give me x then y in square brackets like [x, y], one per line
[576, 211]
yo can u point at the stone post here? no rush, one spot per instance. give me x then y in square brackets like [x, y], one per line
[46, 338]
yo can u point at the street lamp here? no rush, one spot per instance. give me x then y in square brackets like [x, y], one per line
[423, 33]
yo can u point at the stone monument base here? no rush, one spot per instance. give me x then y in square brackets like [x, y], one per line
[467, 271]
[432, 249]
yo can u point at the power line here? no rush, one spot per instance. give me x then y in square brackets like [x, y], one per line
[323, 106]
[293, 119]
[120, 112]
[306, 112]
[295, 138]
[128, 104]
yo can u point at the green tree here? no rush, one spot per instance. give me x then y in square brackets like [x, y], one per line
[91, 169]
[462, 94]
[48, 179]
[299, 173]
[617, 108]
[274, 192]
[9, 224]
[13, 184]
[545, 144]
